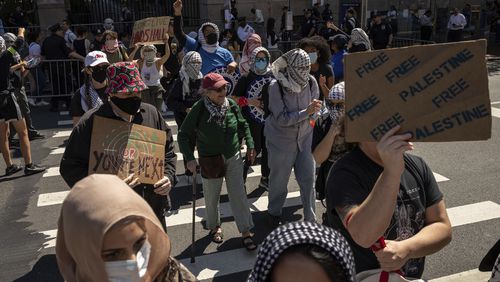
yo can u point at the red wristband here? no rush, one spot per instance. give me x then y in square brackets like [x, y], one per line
[242, 102]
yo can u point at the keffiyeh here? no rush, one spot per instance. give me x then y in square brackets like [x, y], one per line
[252, 42]
[298, 233]
[201, 38]
[190, 70]
[217, 113]
[359, 37]
[95, 100]
[2, 45]
[335, 110]
[292, 70]
[254, 56]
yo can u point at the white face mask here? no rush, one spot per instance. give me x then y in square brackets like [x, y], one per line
[313, 57]
[129, 270]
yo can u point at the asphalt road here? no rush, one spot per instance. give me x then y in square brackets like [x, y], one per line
[29, 209]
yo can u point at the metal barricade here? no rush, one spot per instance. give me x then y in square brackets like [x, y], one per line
[398, 42]
[54, 78]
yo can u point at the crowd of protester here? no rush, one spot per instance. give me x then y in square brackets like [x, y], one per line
[384, 209]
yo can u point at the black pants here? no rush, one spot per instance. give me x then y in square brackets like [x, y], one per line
[22, 101]
[455, 35]
[425, 33]
[158, 203]
[259, 140]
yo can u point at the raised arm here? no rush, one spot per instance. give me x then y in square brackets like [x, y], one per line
[165, 57]
[179, 33]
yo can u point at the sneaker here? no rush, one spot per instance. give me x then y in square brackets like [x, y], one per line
[36, 136]
[33, 169]
[264, 183]
[31, 102]
[12, 169]
[42, 104]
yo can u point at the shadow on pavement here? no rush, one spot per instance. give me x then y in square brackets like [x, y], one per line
[44, 270]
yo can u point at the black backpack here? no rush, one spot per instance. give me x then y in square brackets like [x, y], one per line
[265, 95]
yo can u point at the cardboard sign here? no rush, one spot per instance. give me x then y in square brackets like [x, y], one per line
[150, 30]
[122, 148]
[436, 92]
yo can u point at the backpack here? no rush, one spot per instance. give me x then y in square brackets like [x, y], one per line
[265, 95]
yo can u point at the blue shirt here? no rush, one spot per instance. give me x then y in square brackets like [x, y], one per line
[337, 63]
[221, 58]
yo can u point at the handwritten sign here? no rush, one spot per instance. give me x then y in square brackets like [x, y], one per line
[436, 92]
[124, 149]
[150, 30]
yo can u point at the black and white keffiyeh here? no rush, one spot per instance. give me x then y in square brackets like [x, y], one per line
[336, 93]
[359, 37]
[190, 70]
[201, 38]
[95, 100]
[292, 70]
[297, 233]
[217, 113]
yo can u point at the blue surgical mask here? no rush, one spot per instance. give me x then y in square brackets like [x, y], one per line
[261, 65]
[314, 57]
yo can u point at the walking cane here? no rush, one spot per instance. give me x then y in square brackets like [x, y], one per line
[194, 214]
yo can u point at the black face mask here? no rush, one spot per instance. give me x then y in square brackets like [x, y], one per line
[99, 74]
[211, 38]
[129, 105]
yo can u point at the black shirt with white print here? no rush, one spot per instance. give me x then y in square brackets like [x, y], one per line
[350, 182]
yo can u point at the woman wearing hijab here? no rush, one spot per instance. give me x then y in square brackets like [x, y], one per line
[329, 143]
[260, 61]
[304, 251]
[186, 89]
[319, 53]
[359, 41]
[211, 53]
[124, 240]
[215, 126]
[93, 93]
[252, 42]
[293, 104]
[151, 69]
[115, 51]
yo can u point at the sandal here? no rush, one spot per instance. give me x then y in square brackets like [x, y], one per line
[249, 243]
[218, 236]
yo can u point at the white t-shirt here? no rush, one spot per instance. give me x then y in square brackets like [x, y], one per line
[459, 21]
[259, 17]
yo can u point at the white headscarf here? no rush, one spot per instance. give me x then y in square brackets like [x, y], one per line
[201, 38]
[190, 70]
[292, 70]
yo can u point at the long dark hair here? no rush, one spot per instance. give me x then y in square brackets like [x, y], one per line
[320, 44]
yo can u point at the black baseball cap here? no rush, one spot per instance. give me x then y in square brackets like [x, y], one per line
[55, 27]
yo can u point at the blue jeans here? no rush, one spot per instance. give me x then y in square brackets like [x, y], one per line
[280, 164]
[236, 192]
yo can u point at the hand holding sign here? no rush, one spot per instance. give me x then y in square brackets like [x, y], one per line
[163, 186]
[391, 148]
[132, 181]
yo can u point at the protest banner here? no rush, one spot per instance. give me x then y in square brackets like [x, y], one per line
[123, 149]
[436, 92]
[150, 30]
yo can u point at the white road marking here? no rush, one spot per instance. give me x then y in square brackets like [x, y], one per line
[51, 240]
[52, 171]
[466, 276]
[50, 199]
[473, 213]
[439, 177]
[174, 136]
[171, 123]
[65, 122]
[64, 113]
[64, 133]
[495, 103]
[57, 151]
[495, 112]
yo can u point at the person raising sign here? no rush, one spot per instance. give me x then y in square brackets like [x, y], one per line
[212, 55]
[124, 90]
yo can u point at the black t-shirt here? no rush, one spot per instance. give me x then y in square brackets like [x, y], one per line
[6, 61]
[325, 70]
[54, 48]
[326, 33]
[350, 182]
[79, 45]
[380, 33]
[307, 26]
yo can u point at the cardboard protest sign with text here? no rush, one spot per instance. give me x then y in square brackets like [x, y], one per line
[436, 92]
[122, 148]
[150, 30]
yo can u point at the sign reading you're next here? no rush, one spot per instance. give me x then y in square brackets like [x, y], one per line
[436, 92]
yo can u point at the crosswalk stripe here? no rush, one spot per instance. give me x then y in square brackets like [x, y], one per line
[466, 276]
[65, 122]
[49, 199]
[473, 213]
[51, 240]
[495, 112]
[51, 171]
[171, 123]
[439, 177]
[64, 133]
[57, 151]
[64, 113]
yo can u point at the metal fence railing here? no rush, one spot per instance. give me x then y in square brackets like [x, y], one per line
[404, 42]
